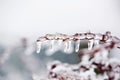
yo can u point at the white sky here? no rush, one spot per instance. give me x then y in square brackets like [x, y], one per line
[33, 18]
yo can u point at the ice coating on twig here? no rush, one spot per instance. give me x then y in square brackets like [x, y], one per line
[92, 38]
[96, 57]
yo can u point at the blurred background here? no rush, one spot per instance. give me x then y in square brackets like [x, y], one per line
[23, 21]
[32, 18]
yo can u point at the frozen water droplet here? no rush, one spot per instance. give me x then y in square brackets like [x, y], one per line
[77, 46]
[90, 44]
[39, 46]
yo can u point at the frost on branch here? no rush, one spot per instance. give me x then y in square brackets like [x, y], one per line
[96, 60]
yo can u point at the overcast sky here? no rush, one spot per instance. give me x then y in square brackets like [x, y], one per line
[33, 18]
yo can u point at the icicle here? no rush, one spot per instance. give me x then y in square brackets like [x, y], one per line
[39, 46]
[39, 43]
[68, 47]
[52, 48]
[52, 44]
[77, 46]
[66, 43]
[90, 44]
